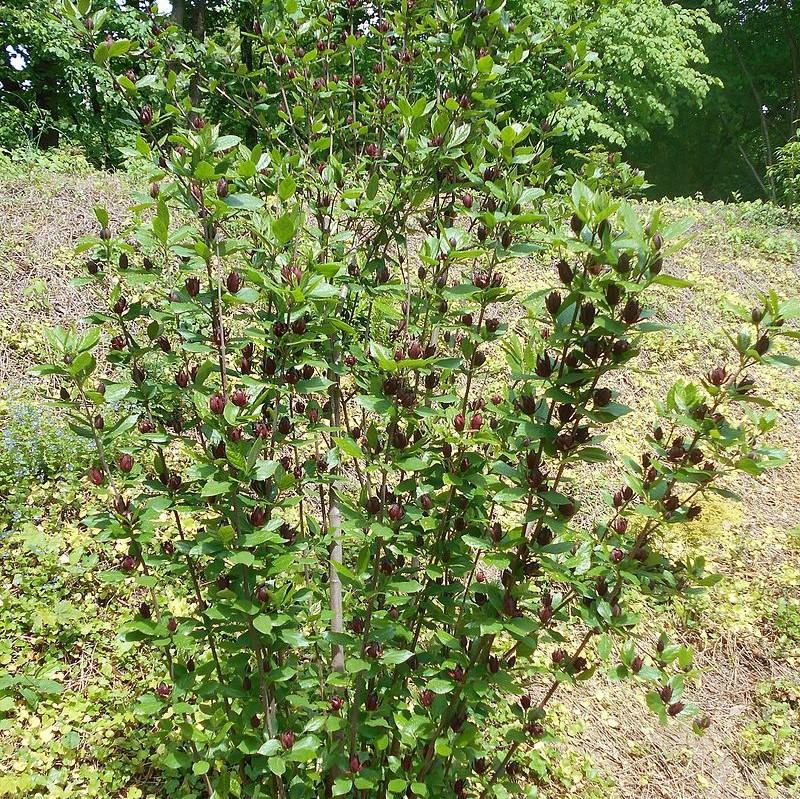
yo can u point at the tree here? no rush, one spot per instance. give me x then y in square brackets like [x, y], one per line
[647, 64]
[49, 84]
[727, 147]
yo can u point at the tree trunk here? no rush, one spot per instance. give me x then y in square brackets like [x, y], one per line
[179, 12]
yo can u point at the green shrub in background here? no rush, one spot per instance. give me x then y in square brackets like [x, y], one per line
[785, 171]
[367, 573]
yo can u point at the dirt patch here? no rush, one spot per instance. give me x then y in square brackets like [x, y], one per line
[43, 220]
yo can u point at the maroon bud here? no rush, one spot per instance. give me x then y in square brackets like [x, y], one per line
[619, 525]
[426, 698]
[222, 188]
[239, 397]
[217, 404]
[163, 690]
[336, 703]
[182, 378]
[703, 723]
[717, 376]
[496, 532]
[675, 708]
[233, 282]
[564, 270]
[125, 462]
[631, 312]
[553, 303]
[601, 397]
[396, 512]
[287, 739]
[354, 764]
[544, 365]
[587, 314]
[192, 286]
[145, 115]
[96, 476]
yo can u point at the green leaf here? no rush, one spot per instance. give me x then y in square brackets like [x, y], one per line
[243, 200]
[283, 228]
[277, 765]
[225, 143]
[287, 188]
[214, 488]
[396, 656]
[348, 446]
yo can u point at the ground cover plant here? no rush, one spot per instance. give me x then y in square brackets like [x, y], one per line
[373, 538]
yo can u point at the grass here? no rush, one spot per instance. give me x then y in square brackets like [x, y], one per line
[70, 722]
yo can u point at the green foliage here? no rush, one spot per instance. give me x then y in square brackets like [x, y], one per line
[726, 148]
[52, 92]
[362, 571]
[67, 725]
[785, 171]
[34, 448]
[775, 736]
[647, 63]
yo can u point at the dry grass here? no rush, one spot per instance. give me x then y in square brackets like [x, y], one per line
[42, 221]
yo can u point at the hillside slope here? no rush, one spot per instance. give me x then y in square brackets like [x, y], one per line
[56, 621]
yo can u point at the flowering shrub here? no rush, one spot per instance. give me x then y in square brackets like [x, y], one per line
[359, 556]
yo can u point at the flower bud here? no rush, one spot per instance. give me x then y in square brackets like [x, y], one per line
[553, 303]
[217, 404]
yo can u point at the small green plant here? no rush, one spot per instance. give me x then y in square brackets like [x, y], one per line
[774, 738]
[382, 572]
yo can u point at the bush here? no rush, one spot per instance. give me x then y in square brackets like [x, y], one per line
[785, 171]
[369, 571]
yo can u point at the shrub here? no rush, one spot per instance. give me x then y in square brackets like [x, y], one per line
[785, 171]
[369, 573]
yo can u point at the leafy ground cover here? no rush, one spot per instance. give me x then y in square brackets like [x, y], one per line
[71, 719]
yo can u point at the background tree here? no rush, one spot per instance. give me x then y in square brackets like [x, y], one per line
[728, 145]
[51, 90]
[647, 64]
